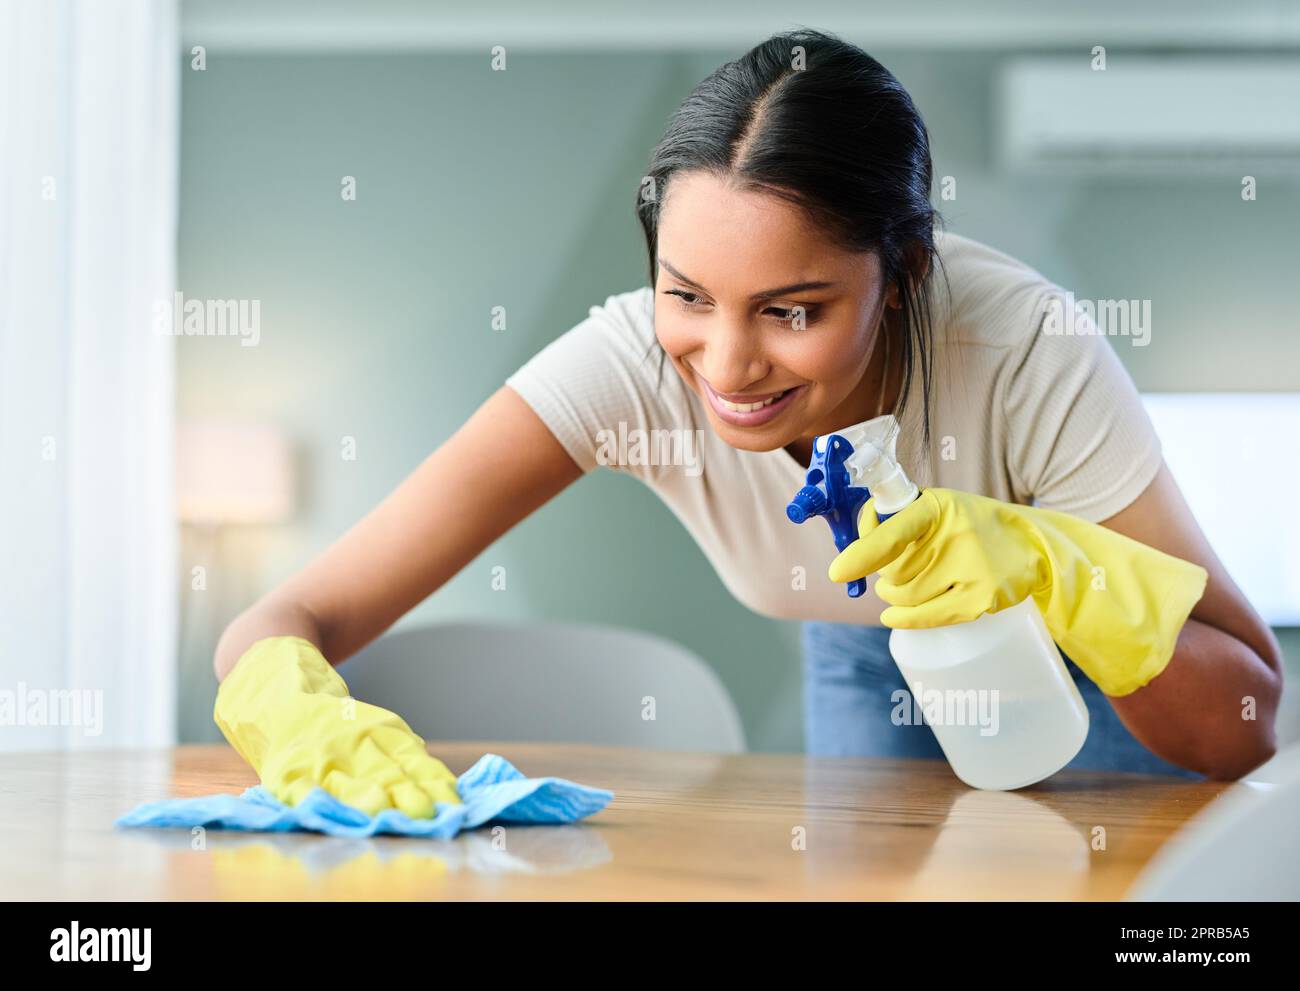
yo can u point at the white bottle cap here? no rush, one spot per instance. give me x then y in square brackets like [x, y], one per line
[873, 464]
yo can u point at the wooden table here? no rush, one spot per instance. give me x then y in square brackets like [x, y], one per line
[681, 826]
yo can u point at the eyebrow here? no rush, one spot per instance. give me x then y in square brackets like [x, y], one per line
[765, 294]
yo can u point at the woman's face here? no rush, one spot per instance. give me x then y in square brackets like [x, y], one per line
[772, 325]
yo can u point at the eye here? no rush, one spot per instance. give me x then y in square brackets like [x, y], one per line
[788, 314]
[689, 299]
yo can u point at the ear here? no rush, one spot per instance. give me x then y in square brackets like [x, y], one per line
[918, 268]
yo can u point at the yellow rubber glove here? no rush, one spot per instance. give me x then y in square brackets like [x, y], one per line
[1114, 605]
[288, 713]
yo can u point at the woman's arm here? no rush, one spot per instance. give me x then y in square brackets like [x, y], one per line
[1194, 713]
[462, 498]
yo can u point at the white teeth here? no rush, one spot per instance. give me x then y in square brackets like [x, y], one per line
[748, 407]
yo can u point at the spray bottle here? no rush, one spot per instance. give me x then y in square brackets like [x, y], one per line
[994, 690]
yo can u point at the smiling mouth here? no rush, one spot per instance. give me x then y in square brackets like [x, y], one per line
[751, 407]
[753, 411]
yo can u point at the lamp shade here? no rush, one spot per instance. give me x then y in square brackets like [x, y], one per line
[230, 473]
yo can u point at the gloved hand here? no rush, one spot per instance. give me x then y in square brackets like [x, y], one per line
[1114, 605]
[288, 713]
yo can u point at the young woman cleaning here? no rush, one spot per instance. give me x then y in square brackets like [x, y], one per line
[798, 286]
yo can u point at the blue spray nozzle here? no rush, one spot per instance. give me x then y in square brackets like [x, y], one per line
[808, 501]
[828, 492]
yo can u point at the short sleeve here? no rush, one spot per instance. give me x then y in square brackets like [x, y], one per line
[1079, 438]
[595, 377]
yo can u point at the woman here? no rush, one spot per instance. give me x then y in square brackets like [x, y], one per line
[799, 286]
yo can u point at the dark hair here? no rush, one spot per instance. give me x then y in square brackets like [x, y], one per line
[821, 123]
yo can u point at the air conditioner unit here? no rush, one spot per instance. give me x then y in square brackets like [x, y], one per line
[1176, 115]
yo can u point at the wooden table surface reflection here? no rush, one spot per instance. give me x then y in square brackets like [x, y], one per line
[681, 826]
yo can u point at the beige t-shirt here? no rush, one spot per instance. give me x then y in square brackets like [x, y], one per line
[1016, 414]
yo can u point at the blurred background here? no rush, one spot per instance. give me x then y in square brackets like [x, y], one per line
[363, 173]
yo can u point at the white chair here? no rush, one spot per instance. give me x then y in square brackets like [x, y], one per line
[549, 682]
[1243, 847]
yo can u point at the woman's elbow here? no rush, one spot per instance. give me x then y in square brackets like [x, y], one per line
[1259, 748]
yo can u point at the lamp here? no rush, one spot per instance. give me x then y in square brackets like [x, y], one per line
[232, 473]
[228, 475]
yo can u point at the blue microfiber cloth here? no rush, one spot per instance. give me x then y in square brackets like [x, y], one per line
[493, 790]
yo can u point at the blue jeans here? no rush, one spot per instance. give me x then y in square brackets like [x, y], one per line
[849, 676]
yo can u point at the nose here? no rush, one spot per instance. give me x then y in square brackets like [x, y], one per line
[733, 357]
